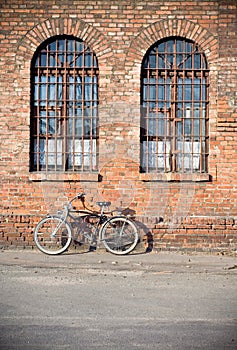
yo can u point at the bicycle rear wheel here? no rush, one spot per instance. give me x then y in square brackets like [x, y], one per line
[119, 235]
[52, 235]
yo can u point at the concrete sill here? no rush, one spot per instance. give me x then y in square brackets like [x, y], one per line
[78, 177]
[168, 177]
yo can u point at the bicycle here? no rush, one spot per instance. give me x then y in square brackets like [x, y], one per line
[54, 233]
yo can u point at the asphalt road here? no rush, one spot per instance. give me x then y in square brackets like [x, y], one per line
[100, 301]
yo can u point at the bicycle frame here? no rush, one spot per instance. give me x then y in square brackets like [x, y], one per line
[86, 214]
[68, 210]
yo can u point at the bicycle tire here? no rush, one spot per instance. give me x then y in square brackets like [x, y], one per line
[119, 235]
[52, 235]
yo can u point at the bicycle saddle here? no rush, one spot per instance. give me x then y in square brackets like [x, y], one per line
[103, 204]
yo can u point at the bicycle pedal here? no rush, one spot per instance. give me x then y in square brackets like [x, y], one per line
[92, 248]
[76, 242]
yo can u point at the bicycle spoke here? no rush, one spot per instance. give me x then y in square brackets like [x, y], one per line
[119, 235]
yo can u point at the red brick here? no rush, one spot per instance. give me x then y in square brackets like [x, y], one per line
[120, 33]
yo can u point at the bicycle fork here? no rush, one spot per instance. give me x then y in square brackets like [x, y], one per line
[53, 234]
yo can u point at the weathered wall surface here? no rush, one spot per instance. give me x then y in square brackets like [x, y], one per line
[195, 214]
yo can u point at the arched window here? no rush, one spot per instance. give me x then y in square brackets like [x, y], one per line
[174, 99]
[64, 106]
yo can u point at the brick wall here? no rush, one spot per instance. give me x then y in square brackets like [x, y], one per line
[195, 214]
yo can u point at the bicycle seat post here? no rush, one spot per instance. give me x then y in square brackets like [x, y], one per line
[103, 205]
[102, 211]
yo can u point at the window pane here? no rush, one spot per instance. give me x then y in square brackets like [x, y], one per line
[43, 59]
[197, 61]
[188, 90]
[152, 61]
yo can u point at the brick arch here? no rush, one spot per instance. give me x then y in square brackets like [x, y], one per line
[167, 28]
[62, 26]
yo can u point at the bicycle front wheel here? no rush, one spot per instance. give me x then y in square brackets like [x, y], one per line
[119, 235]
[52, 235]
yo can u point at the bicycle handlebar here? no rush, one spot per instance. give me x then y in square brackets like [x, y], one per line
[78, 196]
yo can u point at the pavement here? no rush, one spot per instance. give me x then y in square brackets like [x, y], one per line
[137, 262]
[96, 300]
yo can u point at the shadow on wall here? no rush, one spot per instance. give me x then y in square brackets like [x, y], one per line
[146, 236]
[144, 232]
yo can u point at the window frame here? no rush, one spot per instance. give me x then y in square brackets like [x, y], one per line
[64, 107]
[160, 102]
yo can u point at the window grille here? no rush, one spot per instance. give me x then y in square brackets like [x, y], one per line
[64, 106]
[174, 112]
